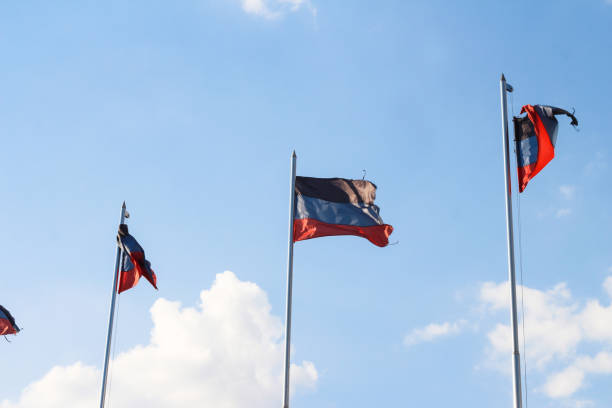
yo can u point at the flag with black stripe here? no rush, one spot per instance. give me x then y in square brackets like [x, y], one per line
[337, 206]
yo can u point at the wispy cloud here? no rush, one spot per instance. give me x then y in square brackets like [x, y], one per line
[273, 9]
[433, 331]
[571, 379]
[567, 191]
[563, 212]
[577, 403]
[599, 163]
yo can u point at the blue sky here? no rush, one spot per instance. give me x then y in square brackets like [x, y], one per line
[189, 111]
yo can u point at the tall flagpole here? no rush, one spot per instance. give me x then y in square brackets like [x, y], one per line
[516, 360]
[289, 285]
[112, 315]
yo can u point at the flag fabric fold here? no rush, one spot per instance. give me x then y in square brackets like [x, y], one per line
[336, 206]
[7, 322]
[134, 264]
[535, 138]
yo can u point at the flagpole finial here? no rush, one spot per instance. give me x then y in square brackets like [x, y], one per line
[125, 213]
[508, 87]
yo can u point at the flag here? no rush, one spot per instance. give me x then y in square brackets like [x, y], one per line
[7, 322]
[535, 137]
[134, 264]
[336, 206]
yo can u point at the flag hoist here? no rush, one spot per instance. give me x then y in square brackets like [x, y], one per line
[322, 207]
[130, 265]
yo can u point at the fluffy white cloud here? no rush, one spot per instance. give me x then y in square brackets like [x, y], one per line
[556, 326]
[72, 386]
[551, 327]
[432, 332]
[272, 9]
[225, 352]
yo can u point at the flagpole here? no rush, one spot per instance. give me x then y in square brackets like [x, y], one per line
[516, 361]
[112, 316]
[289, 284]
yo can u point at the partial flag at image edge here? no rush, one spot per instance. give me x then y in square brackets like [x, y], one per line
[7, 322]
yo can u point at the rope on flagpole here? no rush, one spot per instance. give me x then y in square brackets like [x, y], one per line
[520, 242]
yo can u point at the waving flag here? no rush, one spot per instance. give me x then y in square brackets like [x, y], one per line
[535, 137]
[336, 206]
[7, 322]
[134, 264]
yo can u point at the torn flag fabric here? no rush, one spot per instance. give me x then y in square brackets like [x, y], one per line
[535, 137]
[134, 264]
[336, 206]
[7, 322]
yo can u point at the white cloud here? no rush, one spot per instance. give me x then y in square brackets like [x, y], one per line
[607, 285]
[563, 212]
[550, 325]
[564, 383]
[272, 9]
[567, 191]
[225, 352]
[433, 331]
[571, 379]
[72, 386]
[556, 326]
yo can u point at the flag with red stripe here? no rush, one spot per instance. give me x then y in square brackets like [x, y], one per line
[134, 264]
[535, 137]
[7, 322]
[337, 206]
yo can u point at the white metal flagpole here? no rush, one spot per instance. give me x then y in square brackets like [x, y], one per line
[516, 360]
[289, 285]
[112, 316]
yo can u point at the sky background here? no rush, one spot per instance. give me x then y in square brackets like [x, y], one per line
[189, 111]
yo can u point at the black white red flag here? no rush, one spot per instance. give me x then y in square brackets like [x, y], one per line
[337, 206]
